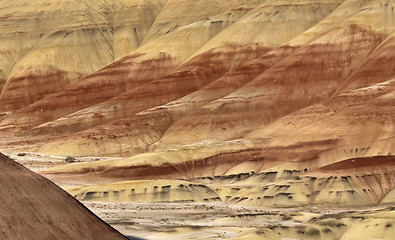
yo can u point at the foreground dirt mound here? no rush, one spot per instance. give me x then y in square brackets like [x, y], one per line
[33, 207]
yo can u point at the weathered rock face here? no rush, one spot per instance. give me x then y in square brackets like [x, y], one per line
[35, 208]
[212, 88]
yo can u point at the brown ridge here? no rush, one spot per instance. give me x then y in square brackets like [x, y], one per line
[35, 208]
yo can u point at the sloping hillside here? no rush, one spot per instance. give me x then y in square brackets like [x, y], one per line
[33, 207]
[196, 89]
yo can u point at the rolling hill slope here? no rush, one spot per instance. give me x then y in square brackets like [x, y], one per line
[197, 89]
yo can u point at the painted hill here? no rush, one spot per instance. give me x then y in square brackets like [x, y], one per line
[209, 89]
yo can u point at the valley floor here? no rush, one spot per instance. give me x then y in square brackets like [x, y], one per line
[230, 218]
[222, 221]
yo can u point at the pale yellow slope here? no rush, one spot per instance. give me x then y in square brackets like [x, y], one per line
[372, 226]
[284, 18]
[45, 46]
[179, 13]
[131, 20]
[186, 39]
[342, 13]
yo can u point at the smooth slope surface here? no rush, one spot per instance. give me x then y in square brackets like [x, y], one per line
[32, 207]
[305, 87]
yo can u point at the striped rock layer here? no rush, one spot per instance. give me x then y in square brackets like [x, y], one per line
[189, 89]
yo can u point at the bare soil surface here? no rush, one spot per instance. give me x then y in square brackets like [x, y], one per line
[205, 220]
